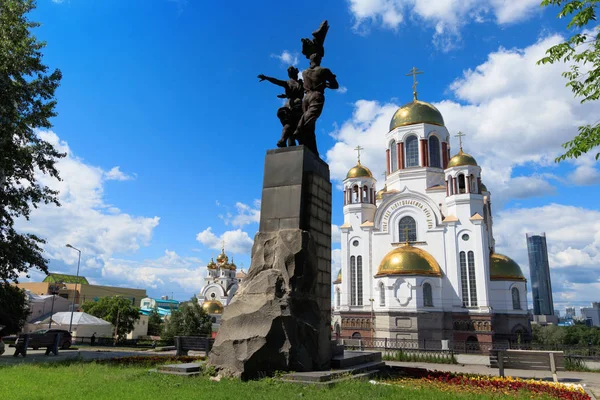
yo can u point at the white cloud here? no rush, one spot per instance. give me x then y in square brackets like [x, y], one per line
[115, 174]
[523, 187]
[245, 214]
[586, 172]
[342, 90]
[336, 234]
[444, 17]
[237, 241]
[287, 57]
[171, 270]
[336, 263]
[98, 229]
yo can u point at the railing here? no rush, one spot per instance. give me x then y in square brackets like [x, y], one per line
[462, 347]
[107, 341]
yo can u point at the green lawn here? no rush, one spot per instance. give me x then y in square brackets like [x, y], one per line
[89, 381]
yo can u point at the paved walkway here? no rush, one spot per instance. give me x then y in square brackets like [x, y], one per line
[590, 380]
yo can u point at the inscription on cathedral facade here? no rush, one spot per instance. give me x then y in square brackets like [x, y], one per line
[407, 202]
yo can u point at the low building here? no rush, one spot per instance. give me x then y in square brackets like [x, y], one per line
[163, 306]
[591, 315]
[140, 328]
[68, 286]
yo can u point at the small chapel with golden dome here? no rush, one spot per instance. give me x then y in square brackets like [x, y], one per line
[221, 282]
[418, 256]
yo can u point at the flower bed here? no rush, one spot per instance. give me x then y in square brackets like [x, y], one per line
[150, 360]
[486, 384]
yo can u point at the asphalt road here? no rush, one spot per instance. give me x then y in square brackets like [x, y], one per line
[85, 353]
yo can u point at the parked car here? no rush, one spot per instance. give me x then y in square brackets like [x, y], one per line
[45, 338]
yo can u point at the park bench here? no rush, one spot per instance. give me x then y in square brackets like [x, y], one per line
[196, 343]
[537, 360]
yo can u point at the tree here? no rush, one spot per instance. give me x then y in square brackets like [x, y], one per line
[117, 310]
[155, 324]
[13, 309]
[26, 103]
[189, 320]
[583, 50]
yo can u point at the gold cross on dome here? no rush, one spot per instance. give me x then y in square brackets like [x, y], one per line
[358, 149]
[460, 135]
[414, 72]
[223, 246]
[406, 235]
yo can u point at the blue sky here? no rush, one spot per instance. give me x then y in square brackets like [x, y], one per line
[166, 124]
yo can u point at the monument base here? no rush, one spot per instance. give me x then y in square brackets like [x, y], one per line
[280, 317]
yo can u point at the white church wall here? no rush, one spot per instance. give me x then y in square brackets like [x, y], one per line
[501, 297]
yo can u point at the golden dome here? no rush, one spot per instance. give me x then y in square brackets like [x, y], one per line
[339, 277]
[461, 158]
[212, 307]
[359, 171]
[232, 266]
[211, 264]
[381, 192]
[483, 188]
[222, 258]
[416, 112]
[408, 260]
[503, 268]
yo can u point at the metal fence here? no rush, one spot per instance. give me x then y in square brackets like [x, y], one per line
[461, 347]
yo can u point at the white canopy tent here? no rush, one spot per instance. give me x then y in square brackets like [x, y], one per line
[84, 325]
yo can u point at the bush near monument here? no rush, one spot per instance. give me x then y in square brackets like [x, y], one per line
[189, 320]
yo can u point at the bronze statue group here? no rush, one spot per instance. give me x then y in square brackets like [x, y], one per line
[306, 96]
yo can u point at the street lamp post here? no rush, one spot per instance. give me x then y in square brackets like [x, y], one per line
[75, 289]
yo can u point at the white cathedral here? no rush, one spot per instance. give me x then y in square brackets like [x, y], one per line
[418, 259]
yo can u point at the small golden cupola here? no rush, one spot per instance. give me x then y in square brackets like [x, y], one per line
[359, 171]
[222, 258]
[232, 265]
[461, 159]
[408, 260]
[359, 185]
[339, 277]
[211, 264]
[503, 268]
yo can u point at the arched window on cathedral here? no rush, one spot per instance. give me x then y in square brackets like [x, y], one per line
[412, 151]
[434, 152]
[353, 281]
[365, 198]
[464, 279]
[427, 295]
[472, 279]
[461, 183]
[359, 281]
[355, 198]
[393, 156]
[338, 297]
[407, 224]
[473, 184]
[381, 294]
[516, 299]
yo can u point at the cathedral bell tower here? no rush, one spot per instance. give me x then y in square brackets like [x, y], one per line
[464, 197]
[359, 193]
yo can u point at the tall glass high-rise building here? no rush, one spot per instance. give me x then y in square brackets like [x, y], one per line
[539, 270]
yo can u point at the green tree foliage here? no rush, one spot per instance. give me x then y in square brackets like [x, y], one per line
[579, 335]
[26, 103]
[155, 324]
[582, 50]
[13, 309]
[117, 310]
[189, 320]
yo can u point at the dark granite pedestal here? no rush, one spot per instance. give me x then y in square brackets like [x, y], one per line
[280, 318]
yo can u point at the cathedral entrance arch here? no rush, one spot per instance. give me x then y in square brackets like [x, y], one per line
[420, 207]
